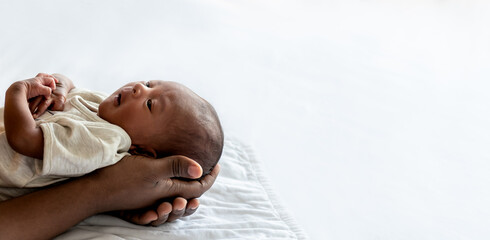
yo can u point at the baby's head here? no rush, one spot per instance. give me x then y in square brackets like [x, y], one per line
[166, 118]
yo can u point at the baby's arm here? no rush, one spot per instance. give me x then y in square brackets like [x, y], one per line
[23, 135]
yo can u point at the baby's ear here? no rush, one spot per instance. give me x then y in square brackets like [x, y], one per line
[142, 151]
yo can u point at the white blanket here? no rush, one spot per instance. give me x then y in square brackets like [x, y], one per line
[240, 205]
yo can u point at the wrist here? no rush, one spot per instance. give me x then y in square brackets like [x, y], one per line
[64, 82]
[101, 193]
[16, 88]
[92, 194]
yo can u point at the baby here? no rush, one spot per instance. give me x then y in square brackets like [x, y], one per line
[154, 118]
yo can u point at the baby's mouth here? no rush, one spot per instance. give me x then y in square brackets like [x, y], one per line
[119, 99]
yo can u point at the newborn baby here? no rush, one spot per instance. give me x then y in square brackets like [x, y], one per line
[154, 118]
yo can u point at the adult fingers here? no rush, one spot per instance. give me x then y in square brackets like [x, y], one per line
[163, 211]
[192, 206]
[178, 209]
[195, 188]
[178, 166]
[143, 217]
[139, 216]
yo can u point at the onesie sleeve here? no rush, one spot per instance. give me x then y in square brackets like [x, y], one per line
[73, 148]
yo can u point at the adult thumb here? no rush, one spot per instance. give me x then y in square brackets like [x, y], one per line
[180, 166]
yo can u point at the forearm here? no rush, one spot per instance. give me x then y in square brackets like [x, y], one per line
[20, 127]
[134, 182]
[50, 212]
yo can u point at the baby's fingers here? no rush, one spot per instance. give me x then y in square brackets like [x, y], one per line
[34, 102]
[40, 87]
[41, 75]
[41, 108]
[49, 82]
[58, 104]
[44, 75]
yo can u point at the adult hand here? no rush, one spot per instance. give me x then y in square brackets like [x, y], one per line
[167, 212]
[152, 180]
[164, 212]
[132, 183]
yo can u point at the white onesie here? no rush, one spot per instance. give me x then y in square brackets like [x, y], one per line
[76, 142]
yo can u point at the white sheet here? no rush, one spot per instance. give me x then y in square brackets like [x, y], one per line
[240, 205]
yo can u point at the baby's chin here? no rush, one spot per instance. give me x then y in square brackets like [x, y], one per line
[102, 110]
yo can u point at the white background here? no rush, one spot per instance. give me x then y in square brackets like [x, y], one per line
[371, 117]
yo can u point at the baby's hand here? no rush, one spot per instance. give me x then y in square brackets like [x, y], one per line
[56, 101]
[41, 85]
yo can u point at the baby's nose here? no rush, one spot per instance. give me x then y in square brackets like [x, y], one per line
[137, 88]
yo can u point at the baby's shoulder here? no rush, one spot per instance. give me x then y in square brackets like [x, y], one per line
[87, 95]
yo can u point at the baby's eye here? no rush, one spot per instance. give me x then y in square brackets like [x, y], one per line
[148, 103]
[147, 84]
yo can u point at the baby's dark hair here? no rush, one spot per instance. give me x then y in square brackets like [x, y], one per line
[196, 134]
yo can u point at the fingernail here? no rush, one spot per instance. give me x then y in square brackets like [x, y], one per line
[194, 171]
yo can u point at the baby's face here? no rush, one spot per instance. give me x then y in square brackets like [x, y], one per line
[144, 108]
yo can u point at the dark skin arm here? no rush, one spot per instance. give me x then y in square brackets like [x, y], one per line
[134, 182]
[23, 135]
